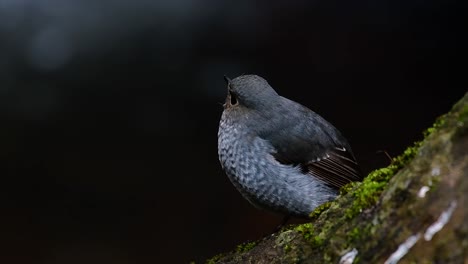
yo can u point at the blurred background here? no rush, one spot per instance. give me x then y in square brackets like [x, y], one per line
[109, 111]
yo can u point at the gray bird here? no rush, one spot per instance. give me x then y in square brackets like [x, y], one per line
[280, 155]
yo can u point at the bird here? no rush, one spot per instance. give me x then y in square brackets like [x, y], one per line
[280, 155]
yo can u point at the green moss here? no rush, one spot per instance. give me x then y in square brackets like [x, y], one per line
[463, 116]
[317, 240]
[462, 119]
[245, 247]
[242, 248]
[354, 233]
[287, 248]
[319, 210]
[214, 259]
[348, 188]
[367, 193]
[307, 230]
[358, 233]
[285, 239]
[440, 121]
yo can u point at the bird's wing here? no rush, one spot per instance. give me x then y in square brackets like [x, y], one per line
[337, 167]
[318, 148]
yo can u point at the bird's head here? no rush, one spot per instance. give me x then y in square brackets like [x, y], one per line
[249, 91]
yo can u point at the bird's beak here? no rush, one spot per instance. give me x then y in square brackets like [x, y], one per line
[227, 80]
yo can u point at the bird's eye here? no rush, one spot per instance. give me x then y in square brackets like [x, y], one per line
[233, 98]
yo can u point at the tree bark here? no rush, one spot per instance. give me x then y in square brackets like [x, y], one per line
[414, 211]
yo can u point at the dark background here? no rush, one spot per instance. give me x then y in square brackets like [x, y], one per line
[109, 111]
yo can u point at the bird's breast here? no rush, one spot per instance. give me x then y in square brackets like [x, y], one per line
[238, 153]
